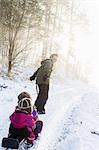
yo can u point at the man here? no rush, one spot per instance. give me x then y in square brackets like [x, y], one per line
[42, 76]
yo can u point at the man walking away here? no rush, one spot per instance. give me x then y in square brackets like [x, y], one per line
[42, 76]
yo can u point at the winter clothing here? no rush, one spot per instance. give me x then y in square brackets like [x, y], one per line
[39, 123]
[35, 114]
[38, 129]
[43, 73]
[24, 103]
[23, 126]
[23, 123]
[42, 76]
[23, 95]
[42, 97]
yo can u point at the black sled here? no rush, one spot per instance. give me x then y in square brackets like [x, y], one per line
[10, 143]
[20, 143]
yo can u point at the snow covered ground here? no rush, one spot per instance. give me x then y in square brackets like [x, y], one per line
[72, 112]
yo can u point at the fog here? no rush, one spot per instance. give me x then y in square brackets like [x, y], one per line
[86, 43]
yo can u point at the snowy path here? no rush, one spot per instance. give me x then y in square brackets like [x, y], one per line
[56, 113]
[69, 115]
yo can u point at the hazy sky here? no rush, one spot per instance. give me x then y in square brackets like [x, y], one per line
[87, 40]
[91, 40]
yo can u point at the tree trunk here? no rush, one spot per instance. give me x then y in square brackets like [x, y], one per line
[9, 68]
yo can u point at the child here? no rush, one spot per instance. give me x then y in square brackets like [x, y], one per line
[34, 113]
[23, 125]
[38, 122]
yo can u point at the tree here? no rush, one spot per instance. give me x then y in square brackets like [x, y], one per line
[14, 17]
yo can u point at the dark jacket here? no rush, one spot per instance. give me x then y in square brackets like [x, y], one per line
[43, 73]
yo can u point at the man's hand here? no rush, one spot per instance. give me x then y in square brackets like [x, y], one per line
[32, 78]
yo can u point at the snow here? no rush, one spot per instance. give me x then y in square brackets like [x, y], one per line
[72, 112]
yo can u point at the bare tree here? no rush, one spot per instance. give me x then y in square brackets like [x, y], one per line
[14, 16]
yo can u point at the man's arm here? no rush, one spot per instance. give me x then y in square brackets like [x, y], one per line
[34, 75]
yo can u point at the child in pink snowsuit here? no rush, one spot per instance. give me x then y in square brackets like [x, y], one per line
[39, 123]
[23, 125]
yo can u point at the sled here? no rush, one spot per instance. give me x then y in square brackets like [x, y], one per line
[10, 143]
